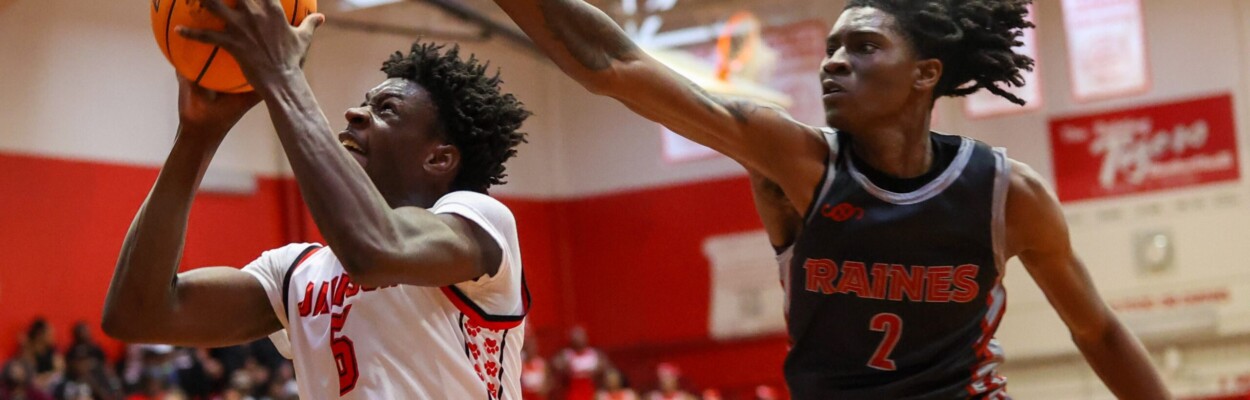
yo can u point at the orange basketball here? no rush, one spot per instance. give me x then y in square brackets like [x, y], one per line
[205, 64]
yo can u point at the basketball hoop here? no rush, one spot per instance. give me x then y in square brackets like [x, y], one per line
[727, 61]
[743, 63]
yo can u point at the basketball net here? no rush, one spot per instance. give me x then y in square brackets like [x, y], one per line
[744, 62]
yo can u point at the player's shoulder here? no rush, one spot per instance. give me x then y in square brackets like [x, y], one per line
[273, 264]
[1035, 219]
[289, 251]
[469, 198]
[1026, 181]
[1030, 199]
[463, 201]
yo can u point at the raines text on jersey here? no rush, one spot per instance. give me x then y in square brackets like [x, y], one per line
[893, 282]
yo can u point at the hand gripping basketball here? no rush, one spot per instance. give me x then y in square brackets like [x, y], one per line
[259, 35]
[208, 112]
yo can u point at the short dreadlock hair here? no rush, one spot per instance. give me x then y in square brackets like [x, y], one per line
[972, 39]
[472, 113]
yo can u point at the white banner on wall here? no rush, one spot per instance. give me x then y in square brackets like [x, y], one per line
[747, 299]
[985, 104]
[678, 148]
[1106, 48]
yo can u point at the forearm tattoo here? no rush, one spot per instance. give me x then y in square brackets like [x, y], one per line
[740, 109]
[592, 38]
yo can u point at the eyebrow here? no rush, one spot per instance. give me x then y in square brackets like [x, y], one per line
[832, 39]
[382, 95]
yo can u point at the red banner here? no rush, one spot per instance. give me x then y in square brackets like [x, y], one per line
[1146, 149]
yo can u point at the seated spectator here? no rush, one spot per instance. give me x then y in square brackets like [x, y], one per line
[712, 394]
[86, 379]
[16, 383]
[670, 384]
[199, 376]
[579, 366]
[765, 392]
[615, 387]
[39, 351]
[82, 338]
[152, 385]
[282, 384]
[536, 377]
[241, 387]
[147, 362]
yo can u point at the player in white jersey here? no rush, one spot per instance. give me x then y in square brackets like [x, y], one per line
[422, 296]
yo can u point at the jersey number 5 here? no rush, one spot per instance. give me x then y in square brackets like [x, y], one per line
[344, 352]
[892, 325]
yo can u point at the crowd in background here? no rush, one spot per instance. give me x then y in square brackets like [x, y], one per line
[582, 372]
[42, 370]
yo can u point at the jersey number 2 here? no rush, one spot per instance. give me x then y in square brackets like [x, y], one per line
[344, 352]
[892, 325]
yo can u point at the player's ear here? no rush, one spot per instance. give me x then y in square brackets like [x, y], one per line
[443, 159]
[927, 74]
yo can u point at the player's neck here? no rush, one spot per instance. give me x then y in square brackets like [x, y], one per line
[423, 196]
[898, 147]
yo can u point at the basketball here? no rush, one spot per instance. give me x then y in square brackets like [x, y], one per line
[205, 64]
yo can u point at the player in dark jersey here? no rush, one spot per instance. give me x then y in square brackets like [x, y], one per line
[899, 234]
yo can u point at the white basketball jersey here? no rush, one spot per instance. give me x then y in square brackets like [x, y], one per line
[401, 342]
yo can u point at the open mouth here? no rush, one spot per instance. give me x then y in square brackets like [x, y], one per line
[830, 87]
[351, 144]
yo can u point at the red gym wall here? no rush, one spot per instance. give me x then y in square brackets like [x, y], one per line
[626, 266]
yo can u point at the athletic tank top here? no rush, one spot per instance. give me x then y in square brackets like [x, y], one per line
[582, 366]
[897, 295]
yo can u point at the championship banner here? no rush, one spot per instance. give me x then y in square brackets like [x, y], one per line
[1106, 48]
[1144, 150]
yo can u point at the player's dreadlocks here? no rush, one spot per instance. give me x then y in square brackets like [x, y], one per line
[473, 114]
[972, 39]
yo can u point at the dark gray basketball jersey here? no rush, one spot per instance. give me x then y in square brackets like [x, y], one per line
[897, 295]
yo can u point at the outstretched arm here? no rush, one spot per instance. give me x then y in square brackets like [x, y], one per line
[595, 52]
[1038, 233]
[147, 300]
[377, 245]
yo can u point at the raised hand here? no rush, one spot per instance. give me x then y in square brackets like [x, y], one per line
[260, 38]
[211, 112]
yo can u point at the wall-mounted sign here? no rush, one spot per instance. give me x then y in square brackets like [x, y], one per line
[1106, 48]
[1146, 149]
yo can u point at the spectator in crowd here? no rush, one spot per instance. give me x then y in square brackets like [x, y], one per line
[85, 378]
[153, 384]
[147, 362]
[39, 352]
[282, 384]
[615, 387]
[17, 383]
[711, 394]
[241, 386]
[147, 371]
[669, 377]
[198, 375]
[579, 366]
[535, 374]
[161, 372]
[82, 338]
[765, 392]
[231, 358]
